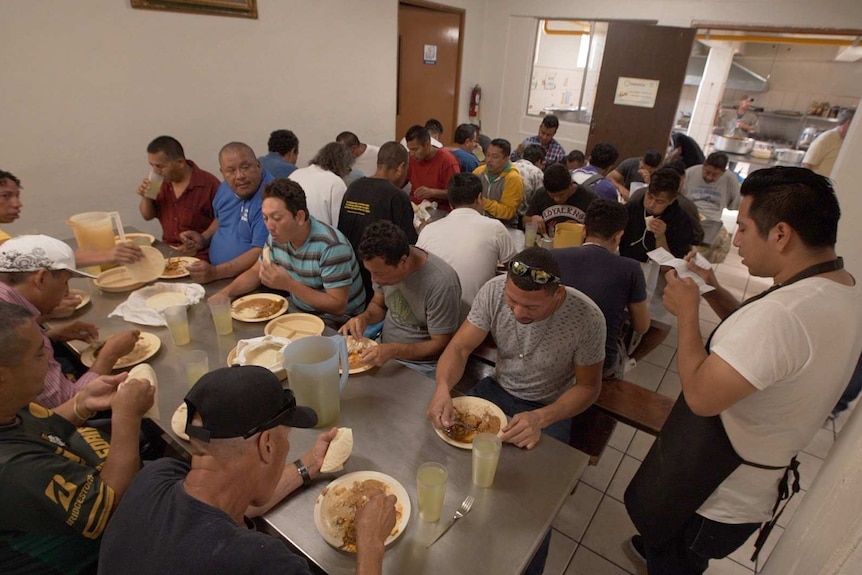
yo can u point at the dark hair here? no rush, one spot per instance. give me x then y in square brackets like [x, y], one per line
[349, 139]
[417, 132]
[603, 155]
[533, 153]
[463, 133]
[435, 126]
[652, 158]
[799, 197]
[665, 180]
[677, 165]
[383, 239]
[551, 121]
[503, 145]
[605, 218]
[463, 189]
[289, 192]
[334, 157]
[557, 178]
[4, 175]
[716, 160]
[170, 146]
[542, 259]
[12, 317]
[282, 141]
[392, 155]
[576, 156]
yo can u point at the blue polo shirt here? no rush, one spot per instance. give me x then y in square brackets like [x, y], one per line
[324, 261]
[240, 223]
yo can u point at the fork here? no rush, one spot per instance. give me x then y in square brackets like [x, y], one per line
[466, 505]
[448, 430]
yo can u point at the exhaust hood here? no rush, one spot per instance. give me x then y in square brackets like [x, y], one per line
[739, 77]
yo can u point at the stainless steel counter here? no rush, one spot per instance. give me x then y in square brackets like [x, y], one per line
[386, 409]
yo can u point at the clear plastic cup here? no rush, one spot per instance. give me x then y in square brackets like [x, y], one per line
[486, 455]
[155, 185]
[197, 364]
[177, 318]
[431, 482]
[220, 310]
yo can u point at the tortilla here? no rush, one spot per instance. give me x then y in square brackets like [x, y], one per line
[145, 371]
[339, 451]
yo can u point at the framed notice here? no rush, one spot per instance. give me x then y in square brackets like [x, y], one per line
[240, 8]
[638, 92]
[430, 54]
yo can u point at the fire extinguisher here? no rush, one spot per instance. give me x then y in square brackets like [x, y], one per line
[475, 99]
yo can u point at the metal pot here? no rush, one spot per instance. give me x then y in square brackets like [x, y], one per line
[733, 145]
[788, 156]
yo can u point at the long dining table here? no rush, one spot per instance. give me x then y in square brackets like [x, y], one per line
[385, 407]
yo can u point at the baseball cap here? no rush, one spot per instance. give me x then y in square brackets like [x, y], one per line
[241, 401]
[38, 252]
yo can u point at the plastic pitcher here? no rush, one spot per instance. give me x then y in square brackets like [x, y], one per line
[95, 230]
[568, 234]
[312, 371]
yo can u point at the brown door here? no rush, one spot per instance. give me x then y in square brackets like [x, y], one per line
[647, 52]
[429, 60]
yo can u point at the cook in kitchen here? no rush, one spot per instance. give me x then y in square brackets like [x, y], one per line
[741, 122]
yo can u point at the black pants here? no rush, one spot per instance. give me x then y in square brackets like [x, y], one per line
[688, 552]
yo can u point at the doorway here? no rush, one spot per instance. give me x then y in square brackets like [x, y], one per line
[429, 66]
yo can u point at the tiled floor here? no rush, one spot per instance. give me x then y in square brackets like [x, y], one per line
[591, 533]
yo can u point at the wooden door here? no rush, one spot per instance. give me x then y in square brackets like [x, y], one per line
[639, 51]
[429, 63]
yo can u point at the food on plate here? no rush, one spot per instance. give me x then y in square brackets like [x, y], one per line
[341, 504]
[339, 450]
[355, 347]
[178, 421]
[140, 351]
[174, 266]
[258, 307]
[483, 421]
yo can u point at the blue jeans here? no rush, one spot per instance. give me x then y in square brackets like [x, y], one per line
[488, 388]
[852, 391]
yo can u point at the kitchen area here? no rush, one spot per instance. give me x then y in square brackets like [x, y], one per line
[798, 86]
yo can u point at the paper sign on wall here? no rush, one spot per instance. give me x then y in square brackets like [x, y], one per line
[638, 92]
[430, 54]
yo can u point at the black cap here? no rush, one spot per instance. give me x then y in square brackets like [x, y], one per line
[241, 401]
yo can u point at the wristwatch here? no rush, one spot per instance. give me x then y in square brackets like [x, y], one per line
[303, 472]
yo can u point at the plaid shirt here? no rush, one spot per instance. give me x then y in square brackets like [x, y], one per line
[58, 389]
[553, 153]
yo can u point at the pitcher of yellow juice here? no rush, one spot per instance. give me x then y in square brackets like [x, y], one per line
[95, 231]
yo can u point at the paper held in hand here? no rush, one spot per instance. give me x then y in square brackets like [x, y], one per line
[664, 258]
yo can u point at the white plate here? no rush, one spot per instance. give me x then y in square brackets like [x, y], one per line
[239, 316]
[145, 348]
[473, 405]
[85, 297]
[331, 534]
[117, 280]
[149, 268]
[363, 367]
[295, 326]
[178, 421]
[181, 272]
[139, 238]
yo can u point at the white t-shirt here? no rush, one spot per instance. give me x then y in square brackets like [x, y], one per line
[323, 192]
[367, 162]
[823, 152]
[711, 197]
[573, 335]
[798, 346]
[472, 244]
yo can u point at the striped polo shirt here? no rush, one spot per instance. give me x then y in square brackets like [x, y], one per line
[324, 261]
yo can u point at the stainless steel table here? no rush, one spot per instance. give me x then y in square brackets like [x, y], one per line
[386, 409]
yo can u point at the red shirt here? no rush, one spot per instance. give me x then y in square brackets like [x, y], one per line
[434, 173]
[193, 210]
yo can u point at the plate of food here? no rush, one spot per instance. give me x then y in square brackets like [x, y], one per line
[295, 326]
[117, 280]
[176, 267]
[355, 347]
[145, 348]
[258, 307]
[336, 506]
[85, 297]
[178, 421]
[477, 412]
[139, 238]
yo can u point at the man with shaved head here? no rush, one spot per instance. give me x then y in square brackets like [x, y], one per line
[238, 233]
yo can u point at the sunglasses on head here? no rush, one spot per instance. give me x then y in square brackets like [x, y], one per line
[288, 404]
[538, 275]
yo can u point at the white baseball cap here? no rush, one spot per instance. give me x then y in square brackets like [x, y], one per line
[38, 252]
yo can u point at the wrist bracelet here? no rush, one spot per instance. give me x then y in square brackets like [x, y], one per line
[303, 472]
[77, 413]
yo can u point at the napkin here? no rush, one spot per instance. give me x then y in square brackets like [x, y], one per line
[246, 348]
[136, 310]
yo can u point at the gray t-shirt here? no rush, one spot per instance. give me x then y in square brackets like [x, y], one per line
[574, 334]
[425, 303]
[711, 197]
